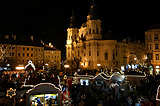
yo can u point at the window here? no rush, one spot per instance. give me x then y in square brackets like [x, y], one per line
[32, 49]
[93, 31]
[23, 54]
[23, 48]
[27, 48]
[157, 56]
[97, 31]
[156, 36]
[150, 46]
[82, 35]
[156, 46]
[89, 63]
[19, 54]
[31, 54]
[23, 61]
[146, 37]
[106, 56]
[97, 53]
[147, 46]
[27, 54]
[149, 37]
[89, 30]
[36, 49]
[12, 54]
[113, 56]
[89, 53]
[12, 48]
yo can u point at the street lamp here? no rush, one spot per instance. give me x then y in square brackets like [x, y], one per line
[82, 64]
[98, 66]
[66, 67]
[20, 67]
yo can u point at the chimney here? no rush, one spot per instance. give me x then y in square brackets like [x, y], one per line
[6, 36]
[14, 37]
[32, 37]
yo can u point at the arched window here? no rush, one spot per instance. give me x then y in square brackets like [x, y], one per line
[97, 30]
[93, 31]
[89, 30]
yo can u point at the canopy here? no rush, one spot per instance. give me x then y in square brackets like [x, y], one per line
[13, 72]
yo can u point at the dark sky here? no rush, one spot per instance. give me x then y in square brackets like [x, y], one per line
[49, 20]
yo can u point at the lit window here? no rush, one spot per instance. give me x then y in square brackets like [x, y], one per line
[157, 56]
[149, 37]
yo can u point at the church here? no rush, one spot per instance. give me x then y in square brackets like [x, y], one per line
[88, 48]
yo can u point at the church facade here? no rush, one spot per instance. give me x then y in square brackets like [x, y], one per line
[86, 47]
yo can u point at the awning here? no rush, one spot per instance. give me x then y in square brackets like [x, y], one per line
[14, 72]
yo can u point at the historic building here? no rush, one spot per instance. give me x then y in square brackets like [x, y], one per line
[87, 47]
[18, 51]
[52, 56]
[152, 37]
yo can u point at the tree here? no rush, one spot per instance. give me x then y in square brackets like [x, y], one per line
[5, 55]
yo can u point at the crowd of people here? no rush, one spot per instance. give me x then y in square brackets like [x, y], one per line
[83, 95]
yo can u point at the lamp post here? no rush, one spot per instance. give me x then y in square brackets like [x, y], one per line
[66, 67]
[65, 78]
[98, 66]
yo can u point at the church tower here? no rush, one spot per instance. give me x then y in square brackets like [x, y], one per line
[93, 24]
[72, 33]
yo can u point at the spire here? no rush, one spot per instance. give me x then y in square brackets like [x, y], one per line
[72, 20]
[93, 11]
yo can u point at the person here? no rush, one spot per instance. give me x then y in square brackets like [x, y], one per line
[39, 104]
[38, 99]
[50, 102]
[129, 101]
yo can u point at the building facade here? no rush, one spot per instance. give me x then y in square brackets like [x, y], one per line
[52, 57]
[152, 43]
[87, 48]
[20, 53]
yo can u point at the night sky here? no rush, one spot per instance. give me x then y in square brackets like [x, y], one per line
[49, 20]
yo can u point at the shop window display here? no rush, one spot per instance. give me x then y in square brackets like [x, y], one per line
[44, 100]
